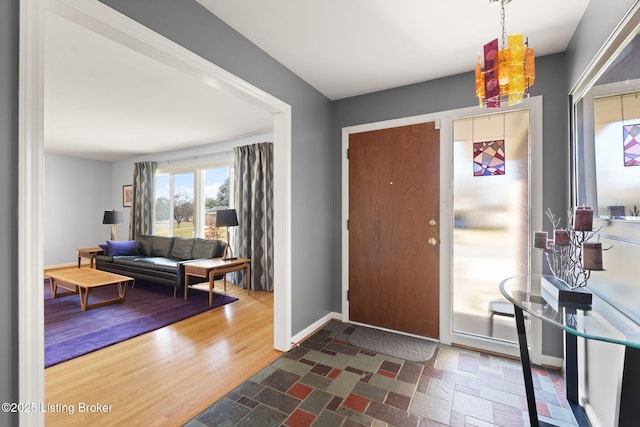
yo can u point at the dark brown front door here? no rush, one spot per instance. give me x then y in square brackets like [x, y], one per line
[393, 213]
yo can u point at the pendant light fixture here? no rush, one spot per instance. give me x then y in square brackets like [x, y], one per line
[508, 71]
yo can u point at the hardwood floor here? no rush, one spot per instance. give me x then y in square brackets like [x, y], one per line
[166, 377]
[169, 376]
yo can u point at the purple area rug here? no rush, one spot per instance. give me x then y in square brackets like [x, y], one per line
[70, 333]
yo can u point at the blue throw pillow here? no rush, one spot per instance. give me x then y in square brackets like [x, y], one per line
[122, 248]
[105, 249]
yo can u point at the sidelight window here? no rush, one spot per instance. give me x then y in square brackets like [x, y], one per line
[491, 219]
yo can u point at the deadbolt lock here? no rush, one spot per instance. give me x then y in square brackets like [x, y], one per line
[432, 222]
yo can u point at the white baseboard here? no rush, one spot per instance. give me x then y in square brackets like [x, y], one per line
[551, 361]
[300, 336]
[53, 267]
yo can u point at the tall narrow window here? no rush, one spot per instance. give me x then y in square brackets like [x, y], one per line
[175, 205]
[162, 225]
[183, 205]
[491, 219]
[217, 195]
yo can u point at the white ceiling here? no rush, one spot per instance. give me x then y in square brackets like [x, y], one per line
[107, 102]
[351, 47]
[104, 101]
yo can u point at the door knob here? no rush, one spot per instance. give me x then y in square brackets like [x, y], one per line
[432, 241]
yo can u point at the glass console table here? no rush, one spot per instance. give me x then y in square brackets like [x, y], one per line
[598, 321]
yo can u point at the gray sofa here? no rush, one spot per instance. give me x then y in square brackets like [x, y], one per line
[157, 259]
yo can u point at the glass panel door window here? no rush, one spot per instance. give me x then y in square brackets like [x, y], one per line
[175, 205]
[491, 219]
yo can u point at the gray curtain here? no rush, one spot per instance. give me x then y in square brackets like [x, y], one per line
[141, 221]
[253, 238]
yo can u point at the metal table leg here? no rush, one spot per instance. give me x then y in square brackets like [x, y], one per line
[571, 367]
[630, 388]
[526, 366]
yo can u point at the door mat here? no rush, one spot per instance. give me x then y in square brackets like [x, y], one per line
[392, 344]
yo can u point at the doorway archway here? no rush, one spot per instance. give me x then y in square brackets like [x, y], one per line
[100, 18]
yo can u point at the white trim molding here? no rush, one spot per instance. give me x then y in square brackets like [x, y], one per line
[445, 122]
[445, 226]
[100, 18]
[306, 332]
[30, 210]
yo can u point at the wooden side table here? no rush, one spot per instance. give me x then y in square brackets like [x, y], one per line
[88, 253]
[208, 269]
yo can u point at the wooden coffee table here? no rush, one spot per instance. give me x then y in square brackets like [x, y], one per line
[82, 280]
[209, 268]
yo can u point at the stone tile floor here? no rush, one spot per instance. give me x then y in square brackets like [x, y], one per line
[328, 382]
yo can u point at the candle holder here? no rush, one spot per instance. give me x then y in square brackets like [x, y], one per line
[564, 254]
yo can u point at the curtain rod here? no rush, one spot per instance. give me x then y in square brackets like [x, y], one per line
[196, 158]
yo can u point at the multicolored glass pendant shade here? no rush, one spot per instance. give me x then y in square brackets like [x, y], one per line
[507, 73]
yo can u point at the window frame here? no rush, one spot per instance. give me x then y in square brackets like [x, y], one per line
[199, 171]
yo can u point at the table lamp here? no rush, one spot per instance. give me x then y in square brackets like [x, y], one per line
[227, 218]
[112, 217]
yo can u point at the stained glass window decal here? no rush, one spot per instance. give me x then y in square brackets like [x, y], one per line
[488, 158]
[631, 145]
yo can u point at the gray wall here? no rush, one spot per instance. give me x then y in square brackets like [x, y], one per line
[77, 191]
[316, 195]
[75, 198]
[122, 170]
[8, 201]
[619, 283]
[598, 22]
[190, 25]
[458, 92]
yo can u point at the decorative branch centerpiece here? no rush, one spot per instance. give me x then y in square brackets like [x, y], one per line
[575, 250]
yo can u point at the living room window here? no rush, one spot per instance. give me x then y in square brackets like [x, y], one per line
[187, 200]
[174, 204]
[217, 195]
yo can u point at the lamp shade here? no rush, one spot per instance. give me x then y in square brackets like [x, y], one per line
[112, 217]
[226, 218]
